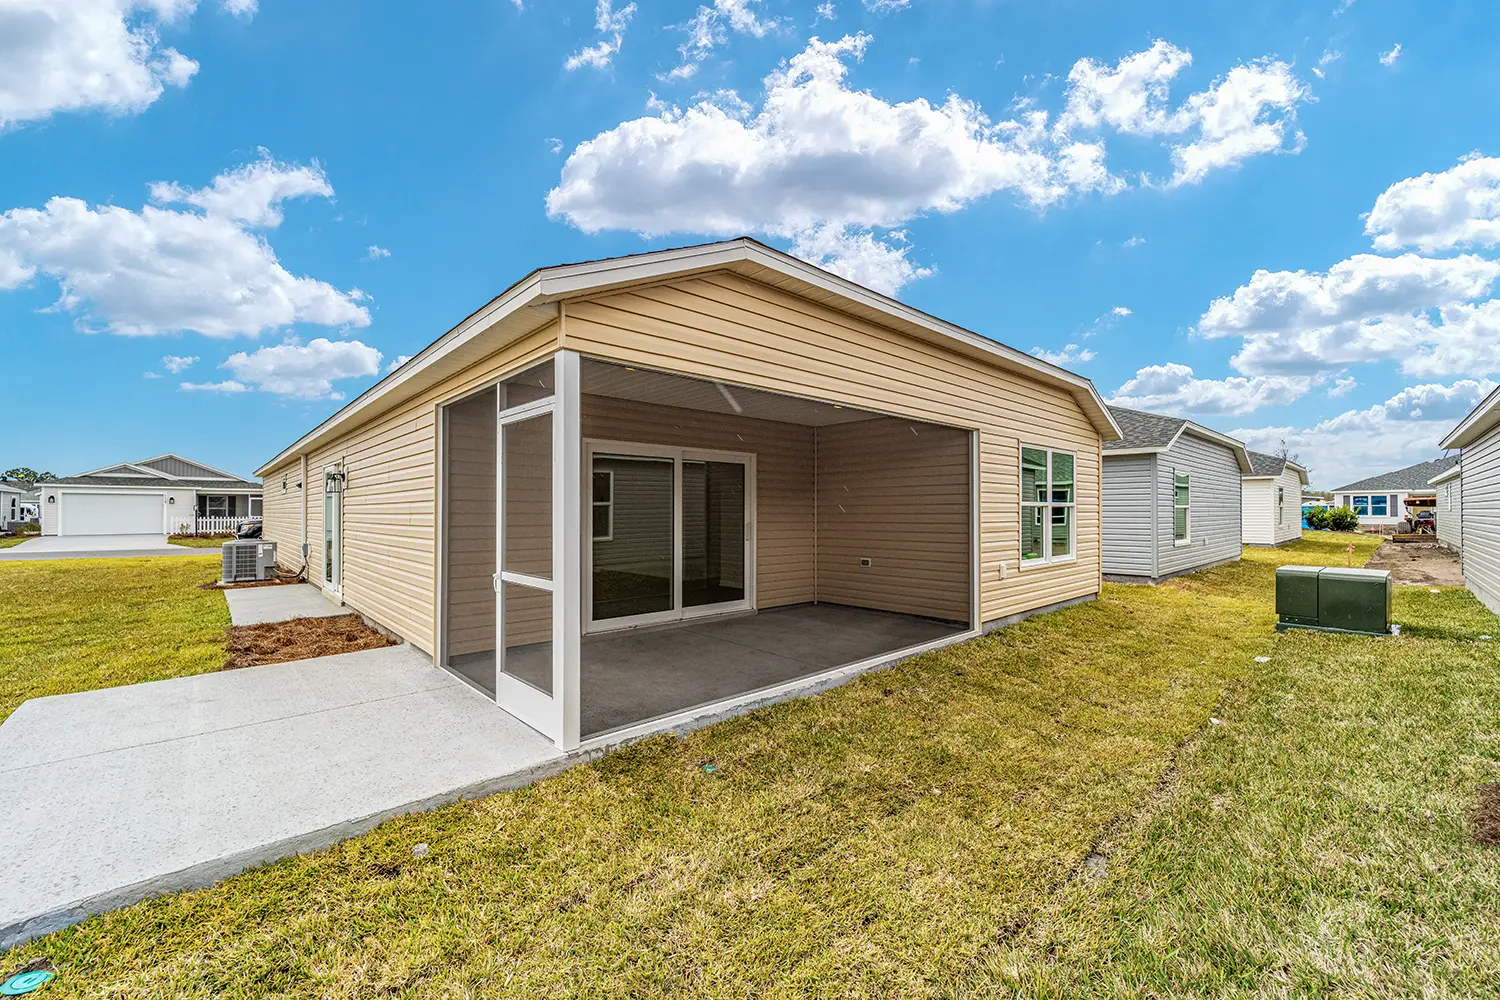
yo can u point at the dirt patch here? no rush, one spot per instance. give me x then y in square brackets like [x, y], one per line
[280, 581]
[1484, 818]
[1420, 563]
[300, 639]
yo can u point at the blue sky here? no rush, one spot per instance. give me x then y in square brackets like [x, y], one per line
[219, 219]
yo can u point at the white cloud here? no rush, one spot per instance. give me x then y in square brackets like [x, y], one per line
[1403, 430]
[242, 8]
[1247, 112]
[306, 371]
[886, 6]
[176, 363]
[1342, 387]
[163, 270]
[1455, 208]
[397, 363]
[860, 256]
[710, 27]
[554, 144]
[374, 252]
[86, 54]
[611, 23]
[1328, 57]
[825, 12]
[817, 156]
[1071, 354]
[1120, 311]
[149, 375]
[1389, 58]
[228, 385]
[1172, 388]
[1366, 308]
[1134, 241]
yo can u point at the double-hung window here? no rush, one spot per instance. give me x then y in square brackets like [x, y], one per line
[218, 506]
[1182, 490]
[1379, 506]
[1048, 498]
[1280, 503]
[1362, 506]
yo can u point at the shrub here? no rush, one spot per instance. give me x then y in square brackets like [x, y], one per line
[1318, 518]
[1343, 519]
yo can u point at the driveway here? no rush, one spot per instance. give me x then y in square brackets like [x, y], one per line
[115, 795]
[98, 547]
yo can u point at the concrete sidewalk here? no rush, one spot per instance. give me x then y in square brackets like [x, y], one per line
[98, 547]
[116, 795]
[258, 605]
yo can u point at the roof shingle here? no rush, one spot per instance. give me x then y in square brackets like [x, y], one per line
[1413, 477]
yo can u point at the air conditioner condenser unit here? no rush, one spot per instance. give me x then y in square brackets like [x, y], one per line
[249, 560]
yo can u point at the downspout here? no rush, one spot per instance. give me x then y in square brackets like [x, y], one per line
[306, 552]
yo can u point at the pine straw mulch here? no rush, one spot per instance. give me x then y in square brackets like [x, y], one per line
[300, 639]
[275, 581]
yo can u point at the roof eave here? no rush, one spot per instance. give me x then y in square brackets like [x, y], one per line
[1480, 420]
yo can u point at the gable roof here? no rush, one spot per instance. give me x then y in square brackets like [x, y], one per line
[1453, 472]
[1149, 433]
[1480, 421]
[189, 468]
[534, 301]
[139, 474]
[1263, 466]
[1413, 477]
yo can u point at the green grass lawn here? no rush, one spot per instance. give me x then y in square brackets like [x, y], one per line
[6, 543]
[1050, 811]
[78, 624]
[194, 542]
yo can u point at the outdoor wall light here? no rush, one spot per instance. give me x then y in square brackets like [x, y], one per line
[51, 498]
[333, 482]
[171, 499]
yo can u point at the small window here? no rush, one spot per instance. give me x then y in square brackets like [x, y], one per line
[1362, 506]
[604, 506]
[1048, 499]
[283, 484]
[255, 507]
[1280, 503]
[1379, 506]
[1182, 491]
[218, 507]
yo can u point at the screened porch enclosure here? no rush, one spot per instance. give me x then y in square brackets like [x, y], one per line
[621, 545]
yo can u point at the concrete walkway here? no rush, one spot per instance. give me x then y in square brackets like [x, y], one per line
[116, 795]
[258, 605]
[98, 547]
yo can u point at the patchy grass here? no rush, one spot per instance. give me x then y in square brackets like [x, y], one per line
[1047, 812]
[6, 543]
[199, 541]
[78, 624]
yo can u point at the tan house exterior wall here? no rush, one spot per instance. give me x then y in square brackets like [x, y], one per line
[727, 327]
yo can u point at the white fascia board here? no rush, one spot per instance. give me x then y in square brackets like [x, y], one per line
[1446, 476]
[1241, 453]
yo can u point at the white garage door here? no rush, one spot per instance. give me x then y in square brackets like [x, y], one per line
[111, 514]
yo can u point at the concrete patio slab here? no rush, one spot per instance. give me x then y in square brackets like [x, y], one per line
[116, 795]
[98, 547]
[259, 605]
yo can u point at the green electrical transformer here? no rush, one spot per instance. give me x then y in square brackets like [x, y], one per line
[1331, 599]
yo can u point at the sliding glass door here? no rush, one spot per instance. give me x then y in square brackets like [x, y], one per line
[671, 534]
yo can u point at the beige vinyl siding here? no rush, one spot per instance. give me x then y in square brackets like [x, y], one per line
[470, 557]
[784, 460]
[727, 327]
[1481, 514]
[281, 513]
[390, 511]
[897, 492]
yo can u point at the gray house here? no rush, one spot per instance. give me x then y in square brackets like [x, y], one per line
[1478, 503]
[1171, 497]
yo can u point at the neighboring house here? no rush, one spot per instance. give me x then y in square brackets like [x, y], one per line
[1449, 511]
[1171, 497]
[1271, 501]
[1478, 438]
[1381, 500]
[14, 500]
[161, 495]
[818, 478]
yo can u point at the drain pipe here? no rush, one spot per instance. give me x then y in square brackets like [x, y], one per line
[306, 552]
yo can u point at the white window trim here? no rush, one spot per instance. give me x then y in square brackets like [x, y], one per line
[1187, 508]
[1047, 558]
[610, 503]
[1354, 504]
[208, 505]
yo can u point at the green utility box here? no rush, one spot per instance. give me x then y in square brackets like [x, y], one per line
[1334, 600]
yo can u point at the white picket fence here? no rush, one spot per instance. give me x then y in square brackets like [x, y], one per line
[214, 525]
